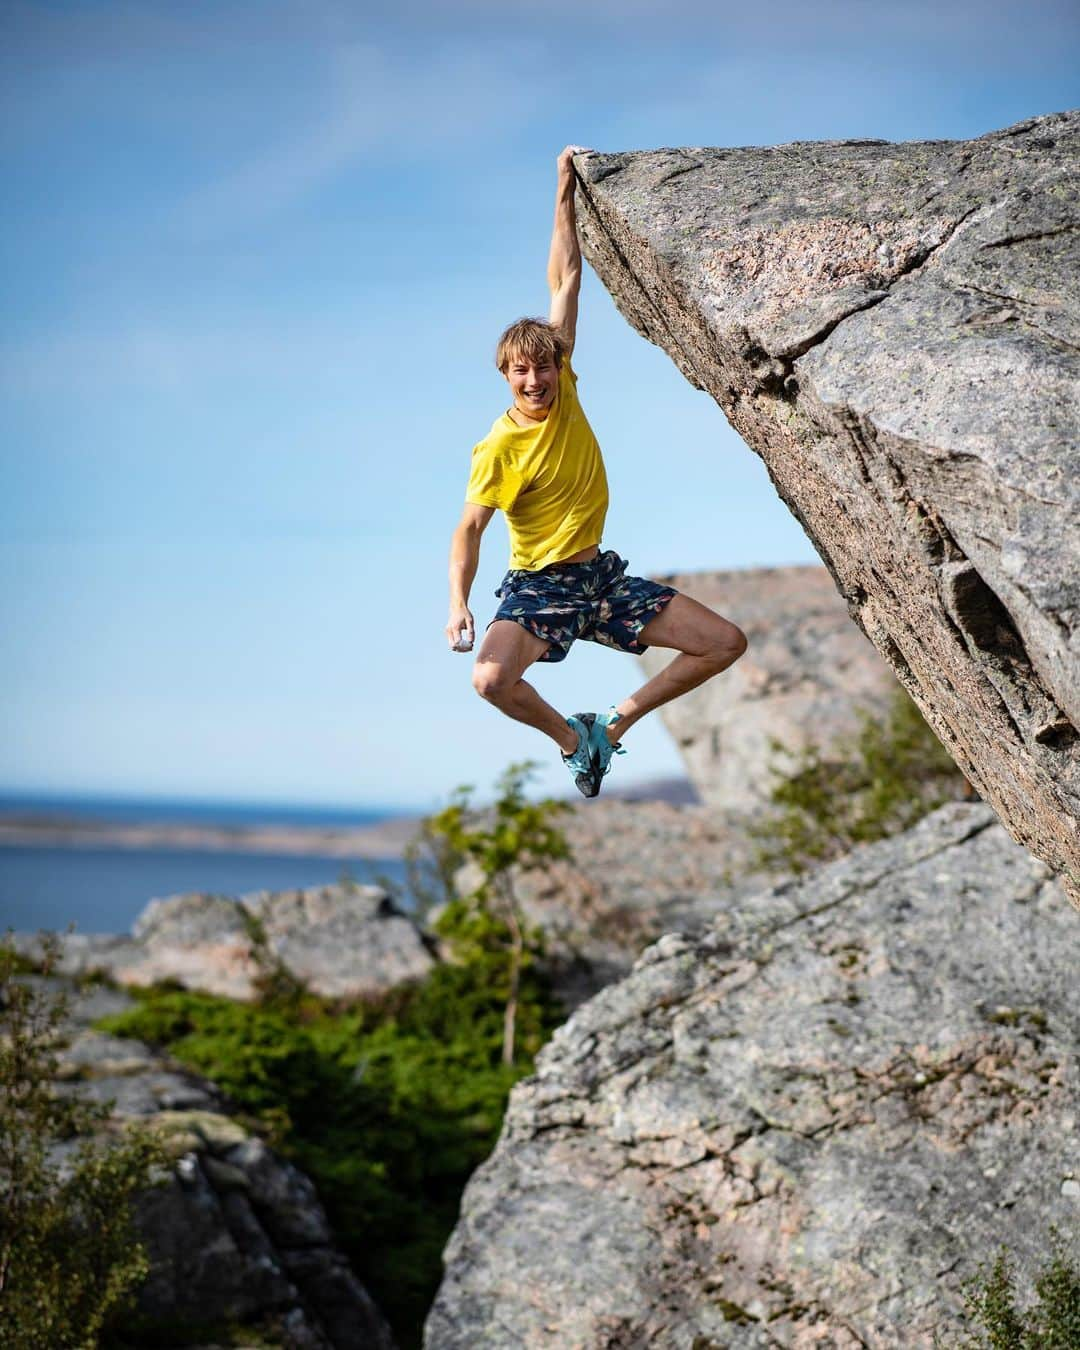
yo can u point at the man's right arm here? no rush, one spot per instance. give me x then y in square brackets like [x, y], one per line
[564, 260]
[464, 559]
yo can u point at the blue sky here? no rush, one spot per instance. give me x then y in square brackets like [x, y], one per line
[255, 261]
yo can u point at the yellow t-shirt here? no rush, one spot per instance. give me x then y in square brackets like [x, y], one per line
[548, 479]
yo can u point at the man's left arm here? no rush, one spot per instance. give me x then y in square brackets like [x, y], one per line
[564, 261]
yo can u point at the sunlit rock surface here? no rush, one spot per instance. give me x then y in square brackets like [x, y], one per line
[895, 329]
[805, 1126]
[342, 941]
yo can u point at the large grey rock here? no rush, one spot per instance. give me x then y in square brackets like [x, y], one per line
[895, 329]
[234, 1232]
[806, 1126]
[806, 671]
[343, 941]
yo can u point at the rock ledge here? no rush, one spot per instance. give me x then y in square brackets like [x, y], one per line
[895, 329]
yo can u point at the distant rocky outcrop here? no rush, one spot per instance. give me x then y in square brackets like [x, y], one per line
[235, 1234]
[342, 941]
[42, 828]
[806, 671]
[638, 870]
[895, 329]
[805, 1126]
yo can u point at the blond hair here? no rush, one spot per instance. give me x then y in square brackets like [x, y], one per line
[532, 339]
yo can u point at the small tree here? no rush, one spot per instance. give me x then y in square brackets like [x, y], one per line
[515, 835]
[69, 1257]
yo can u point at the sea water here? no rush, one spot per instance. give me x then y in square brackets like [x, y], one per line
[102, 888]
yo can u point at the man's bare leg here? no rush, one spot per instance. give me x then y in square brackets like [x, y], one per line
[706, 643]
[507, 650]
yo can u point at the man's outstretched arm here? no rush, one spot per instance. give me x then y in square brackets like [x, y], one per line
[464, 559]
[564, 262]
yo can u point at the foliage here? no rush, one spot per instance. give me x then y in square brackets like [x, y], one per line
[389, 1105]
[871, 784]
[486, 925]
[69, 1257]
[1051, 1322]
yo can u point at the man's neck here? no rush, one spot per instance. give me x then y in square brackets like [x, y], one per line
[519, 418]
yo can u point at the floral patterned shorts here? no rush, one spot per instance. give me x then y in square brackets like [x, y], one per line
[594, 600]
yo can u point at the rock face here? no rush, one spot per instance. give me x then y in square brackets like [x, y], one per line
[806, 1126]
[895, 329]
[234, 1233]
[806, 670]
[342, 941]
[639, 869]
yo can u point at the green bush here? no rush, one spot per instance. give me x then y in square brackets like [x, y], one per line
[871, 784]
[70, 1259]
[1050, 1322]
[389, 1105]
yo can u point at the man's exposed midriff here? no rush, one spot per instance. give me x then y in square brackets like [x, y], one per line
[583, 555]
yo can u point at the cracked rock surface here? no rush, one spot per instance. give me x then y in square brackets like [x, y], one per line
[234, 1232]
[804, 1126]
[895, 329]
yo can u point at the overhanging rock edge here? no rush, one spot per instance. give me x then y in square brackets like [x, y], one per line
[895, 330]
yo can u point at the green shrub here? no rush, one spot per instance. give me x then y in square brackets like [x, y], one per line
[871, 784]
[390, 1104]
[69, 1256]
[1050, 1322]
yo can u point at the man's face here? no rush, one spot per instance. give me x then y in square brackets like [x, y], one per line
[534, 385]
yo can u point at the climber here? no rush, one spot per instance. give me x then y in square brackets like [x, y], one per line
[541, 465]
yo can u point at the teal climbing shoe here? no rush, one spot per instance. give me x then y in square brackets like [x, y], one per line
[582, 763]
[602, 747]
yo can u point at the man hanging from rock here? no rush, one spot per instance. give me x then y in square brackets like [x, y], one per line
[541, 466]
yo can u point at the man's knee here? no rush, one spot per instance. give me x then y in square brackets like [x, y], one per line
[492, 681]
[727, 645]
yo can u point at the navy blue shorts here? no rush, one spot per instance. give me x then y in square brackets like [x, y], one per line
[594, 600]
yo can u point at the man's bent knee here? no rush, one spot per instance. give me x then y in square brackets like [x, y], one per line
[493, 681]
[726, 646]
[739, 643]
